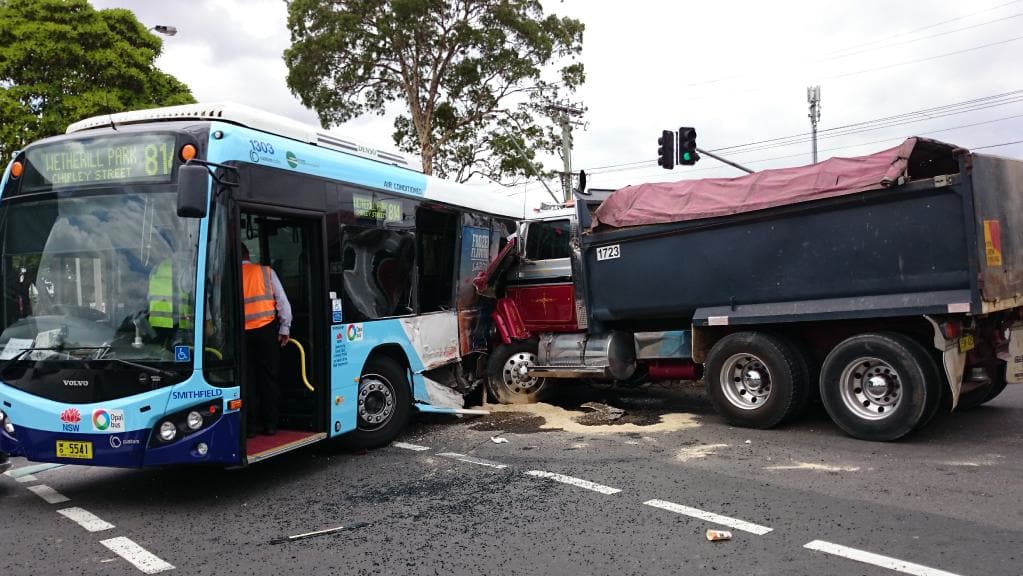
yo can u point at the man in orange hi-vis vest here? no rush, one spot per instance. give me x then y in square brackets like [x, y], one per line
[267, 329]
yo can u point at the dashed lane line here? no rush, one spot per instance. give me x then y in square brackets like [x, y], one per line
[875, 559]
[85, 519]
[473, 460]
[138, 556]
[579, 482]
[26, 478]
[48, 494]
[407, 446]
[34, 469]
[733, 523]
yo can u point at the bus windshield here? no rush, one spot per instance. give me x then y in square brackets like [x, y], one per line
[103, 275]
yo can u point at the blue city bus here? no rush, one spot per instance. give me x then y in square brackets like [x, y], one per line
[377, 261]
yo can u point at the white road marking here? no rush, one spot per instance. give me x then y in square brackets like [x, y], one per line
[407, 446]
[26, 478]
[141, 558]
[25, 470]
[812, 466]
[875, 559]
[85, 519]
[316, 533]
[473, 460]
[49, 494]
[710, 517]
[574, 481]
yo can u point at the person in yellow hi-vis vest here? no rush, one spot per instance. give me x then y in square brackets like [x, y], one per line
[170, 306]
[267, 329]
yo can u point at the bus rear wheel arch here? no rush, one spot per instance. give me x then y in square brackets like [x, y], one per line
[880, 386]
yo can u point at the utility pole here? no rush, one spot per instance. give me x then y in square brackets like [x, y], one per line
[564, 113]
[813, 96]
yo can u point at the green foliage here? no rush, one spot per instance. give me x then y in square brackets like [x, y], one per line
[469, 71]
[62, 60]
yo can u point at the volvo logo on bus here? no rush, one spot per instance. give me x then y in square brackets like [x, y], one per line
[76, 383]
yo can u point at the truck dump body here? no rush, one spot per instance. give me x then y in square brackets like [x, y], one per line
[949, 240]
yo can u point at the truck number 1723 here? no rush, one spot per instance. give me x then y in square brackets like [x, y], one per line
[608, 252]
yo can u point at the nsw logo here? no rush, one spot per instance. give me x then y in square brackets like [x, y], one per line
[71, 418]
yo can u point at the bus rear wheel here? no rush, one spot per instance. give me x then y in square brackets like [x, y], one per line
[384, 404]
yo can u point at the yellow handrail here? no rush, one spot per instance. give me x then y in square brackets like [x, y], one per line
[301, 352]
[215, 352]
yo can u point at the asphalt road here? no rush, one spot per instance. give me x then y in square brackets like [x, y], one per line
[631, 497]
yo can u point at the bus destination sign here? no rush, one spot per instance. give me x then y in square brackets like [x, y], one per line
[141, 158]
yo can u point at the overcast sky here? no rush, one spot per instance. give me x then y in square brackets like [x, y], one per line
[736, 70]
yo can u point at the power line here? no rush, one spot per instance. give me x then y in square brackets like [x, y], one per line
[928, 27]
[912, 40]
[996, 145]
[860, 144]
[972, 105]
[919, 60]
[838, 54]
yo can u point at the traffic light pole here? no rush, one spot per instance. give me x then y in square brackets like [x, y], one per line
[726, 161]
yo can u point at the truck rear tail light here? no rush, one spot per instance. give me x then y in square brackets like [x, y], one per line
[951, 330]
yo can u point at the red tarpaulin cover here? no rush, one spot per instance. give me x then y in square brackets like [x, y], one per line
[663, 202]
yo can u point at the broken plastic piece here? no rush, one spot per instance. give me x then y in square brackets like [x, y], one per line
[498, 440]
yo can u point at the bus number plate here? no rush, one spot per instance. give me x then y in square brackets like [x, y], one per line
[608, 252]
[69, 449]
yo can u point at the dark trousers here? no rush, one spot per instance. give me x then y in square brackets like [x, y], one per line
[264, 358]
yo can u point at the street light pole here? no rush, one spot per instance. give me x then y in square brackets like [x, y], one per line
[165, 30]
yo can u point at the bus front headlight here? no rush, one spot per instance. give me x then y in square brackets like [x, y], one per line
[168, 431]
[193, 420]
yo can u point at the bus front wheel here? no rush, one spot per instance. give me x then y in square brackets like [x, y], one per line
[384, 404]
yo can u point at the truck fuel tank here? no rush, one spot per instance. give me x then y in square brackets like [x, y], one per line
[609, 355]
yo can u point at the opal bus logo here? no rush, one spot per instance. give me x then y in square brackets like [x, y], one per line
[354, 332]
[108, 420]
[70, 418]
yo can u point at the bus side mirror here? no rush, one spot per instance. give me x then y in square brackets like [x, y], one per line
[193, 191]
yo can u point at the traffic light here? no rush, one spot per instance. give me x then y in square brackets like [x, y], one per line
[687, 155]
[666, 150]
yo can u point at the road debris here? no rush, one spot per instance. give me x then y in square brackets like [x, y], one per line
[498, 440]
[718, 535]
[601, 412]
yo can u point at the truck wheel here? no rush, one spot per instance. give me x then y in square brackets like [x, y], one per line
[506, 374]
[384, 404]
[755, 380]
[880, 386]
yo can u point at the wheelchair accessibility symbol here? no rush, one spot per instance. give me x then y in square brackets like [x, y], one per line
[182, 353]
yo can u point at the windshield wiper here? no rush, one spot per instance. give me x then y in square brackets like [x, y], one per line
[150, 369]
[24, 351]
[14, 360]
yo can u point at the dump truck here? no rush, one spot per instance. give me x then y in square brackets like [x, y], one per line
[883, 286]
